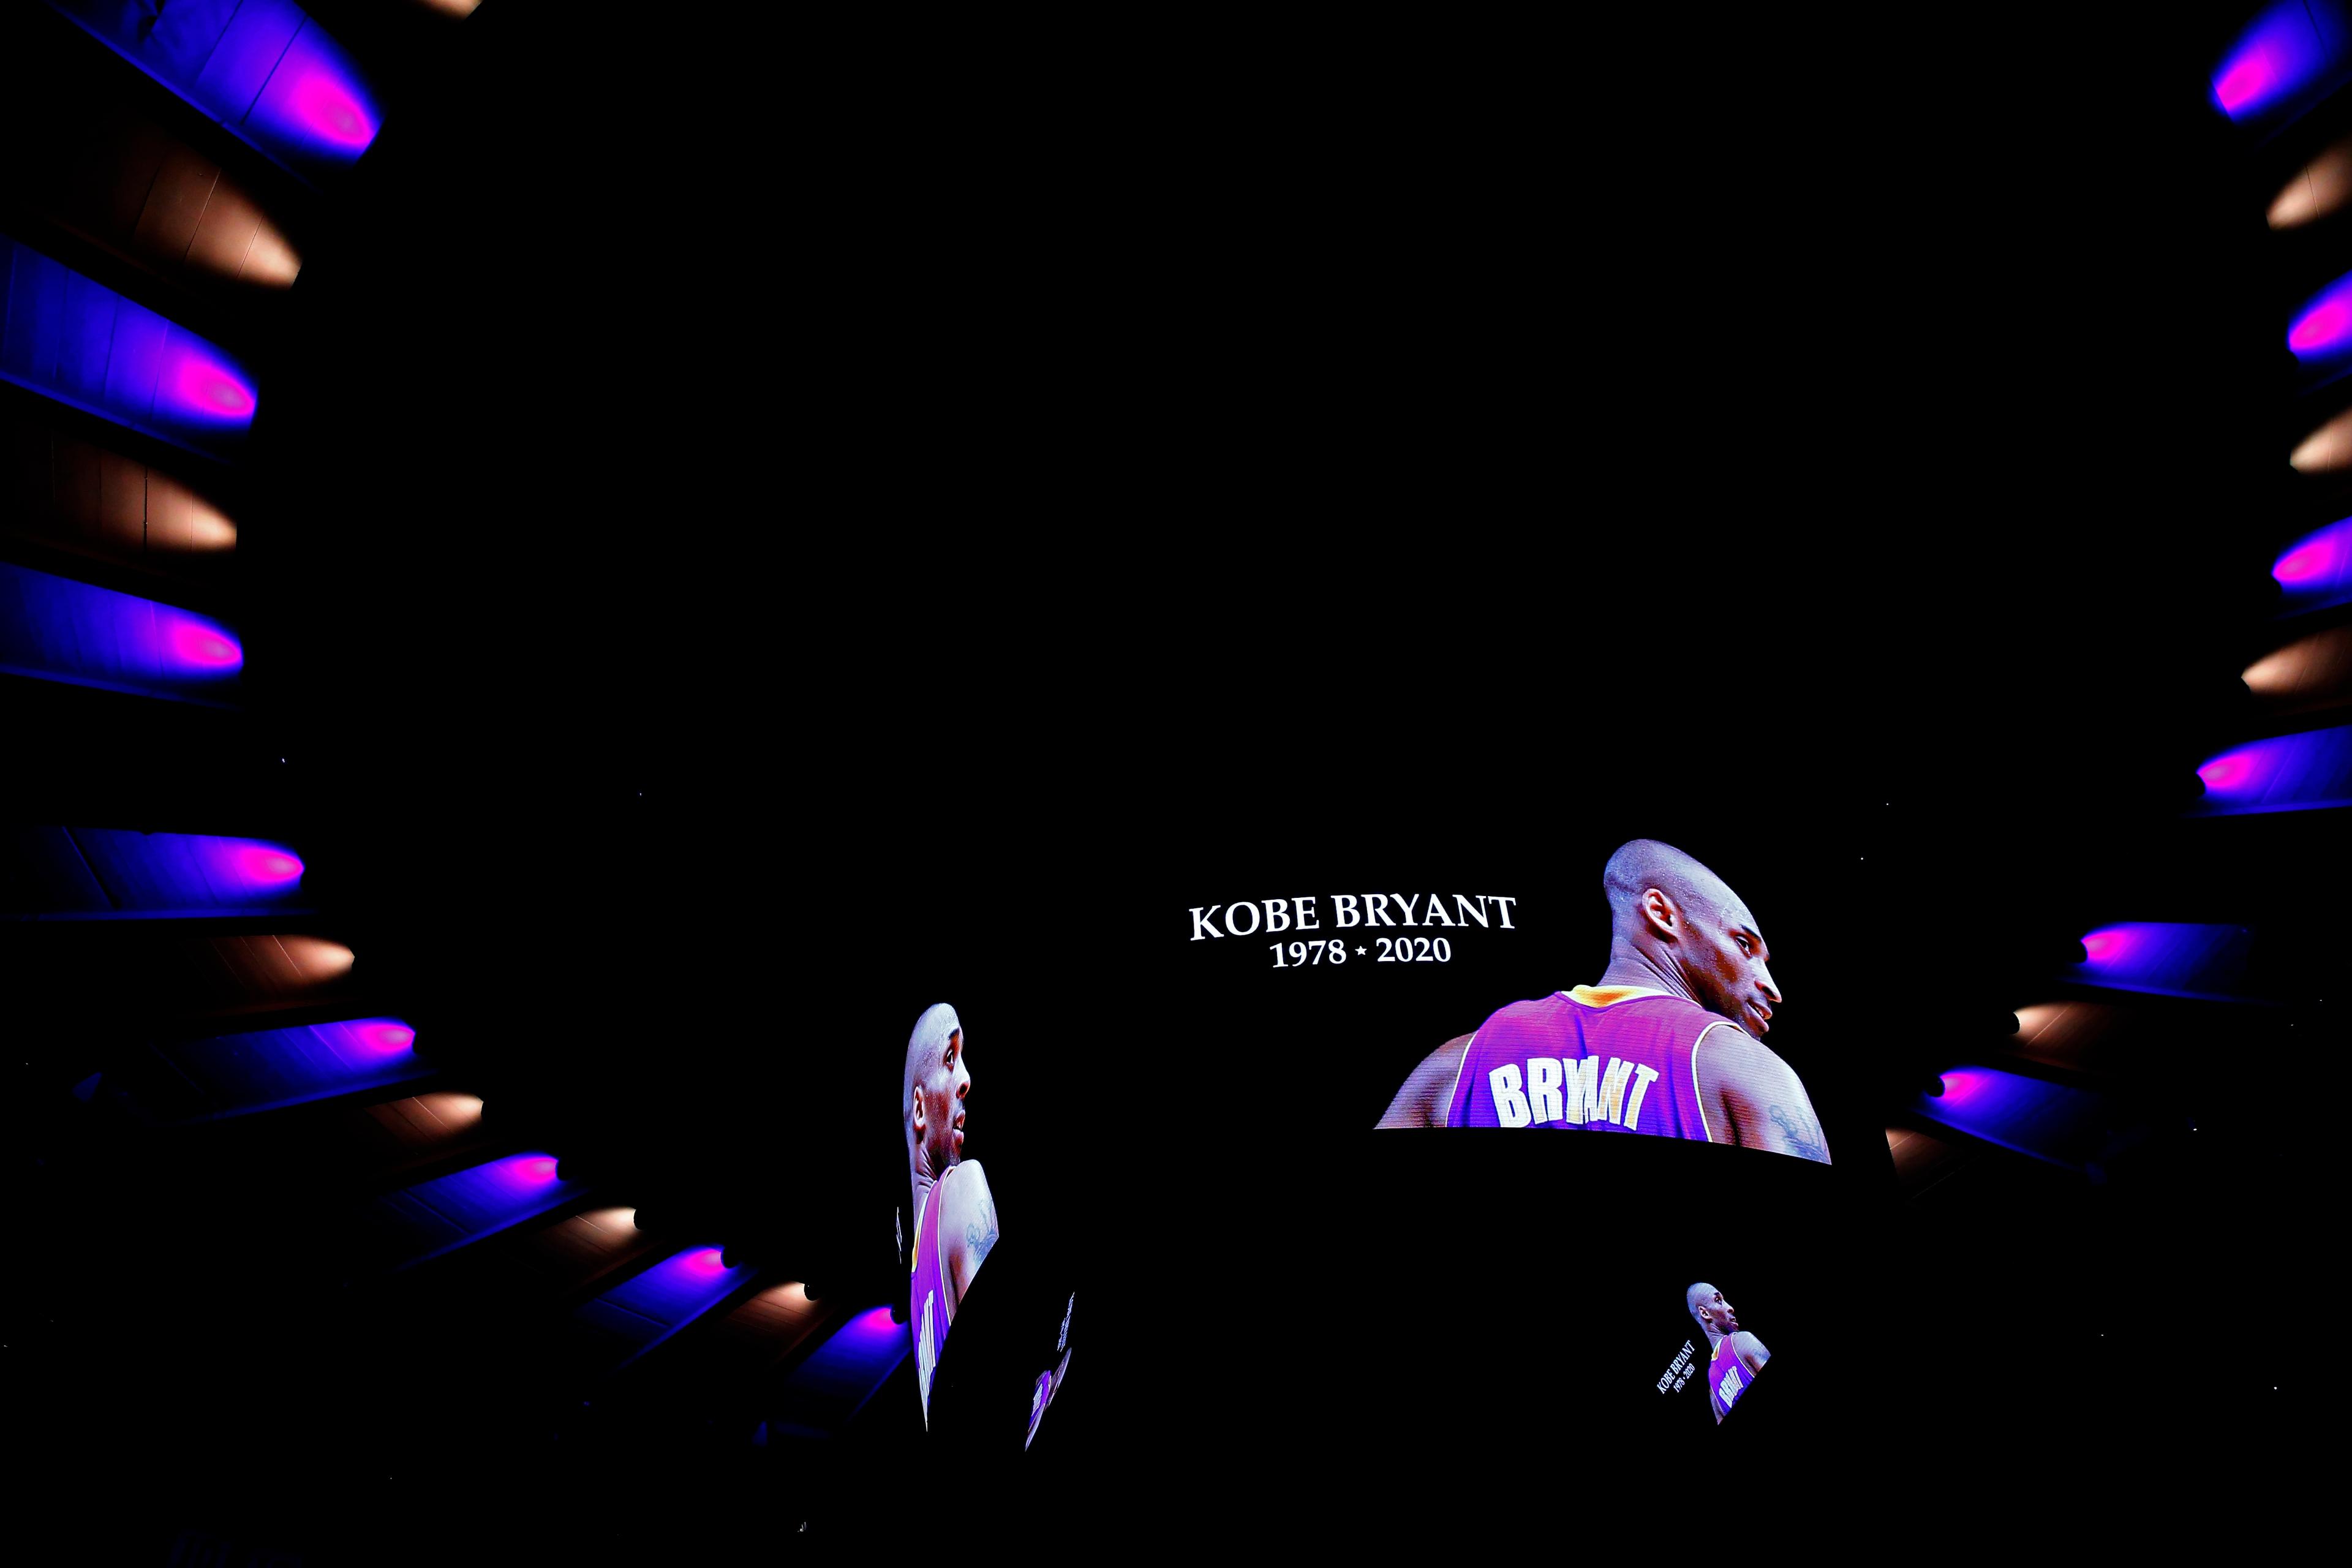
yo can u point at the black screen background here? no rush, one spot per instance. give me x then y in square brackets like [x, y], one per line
[1328, 487]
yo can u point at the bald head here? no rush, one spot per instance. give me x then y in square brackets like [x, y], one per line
[1695, 1298]
[1645, 863]
[929, 1100]
[1675, 925]
[1713, 1315]
[928, 1044]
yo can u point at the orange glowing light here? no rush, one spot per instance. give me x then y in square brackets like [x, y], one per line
[453, 1111]
[2032, 1020]
[180, 521]
[2316, 669]
[209, 530]
[269, 260]
[2327, 450]
[2321, 187]
[317, 959]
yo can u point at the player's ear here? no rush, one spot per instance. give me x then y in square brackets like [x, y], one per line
[1660, 909]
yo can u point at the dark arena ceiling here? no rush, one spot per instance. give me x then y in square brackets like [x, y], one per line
[567, 571]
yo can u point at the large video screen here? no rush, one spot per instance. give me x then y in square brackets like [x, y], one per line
[1669, 1040]
[1673, 973]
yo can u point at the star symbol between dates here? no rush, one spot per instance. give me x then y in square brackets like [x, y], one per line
[1359, 953]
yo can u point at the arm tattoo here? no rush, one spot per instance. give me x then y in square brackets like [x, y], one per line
[980, 1240]
[1798, 1144]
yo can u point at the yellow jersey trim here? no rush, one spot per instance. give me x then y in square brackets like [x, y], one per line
[1609, 996]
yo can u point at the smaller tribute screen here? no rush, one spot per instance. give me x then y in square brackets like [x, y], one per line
[1727, 1358]
[952, 1250]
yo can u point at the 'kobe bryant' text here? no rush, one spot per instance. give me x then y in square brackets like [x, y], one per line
[1352, 909]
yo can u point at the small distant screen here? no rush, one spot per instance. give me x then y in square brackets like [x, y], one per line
[1723, 1359]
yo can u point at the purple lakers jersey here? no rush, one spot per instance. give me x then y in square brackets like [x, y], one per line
[1618, 1058]
[927, 1298]
[1727, 1378]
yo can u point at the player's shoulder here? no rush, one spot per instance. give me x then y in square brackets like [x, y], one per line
[1731, 1037]
[1696, 1022]
[1698, 1013]
[964, 1187]
[1536, 1012]
[1740, 1062]
[1706, 1019]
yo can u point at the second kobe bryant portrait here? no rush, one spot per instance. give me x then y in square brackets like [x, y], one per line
[1734, 1355]
[1670, 1042]
[955, 1213]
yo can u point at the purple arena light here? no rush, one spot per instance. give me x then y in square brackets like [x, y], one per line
[2247, 77]
[326, 108]
[202, 387]
[317, 109]
[385, 1036]
[2322, 330]
[2309, 771]
[2283, 60]
[2239, 772]
[236, 1075]
[117, 873]
[78, 342]
[433, 1217]
[267, 865]
[2316, 570]
[640, 1313]
[202, 646]
[263, 68]
[872, 1331]
[54, 629]
[2049, 1122]
[680, 1287]
[199, 644]
[1962, 1086]
[828, 1389]
[2166, 958]
[519, 1177]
